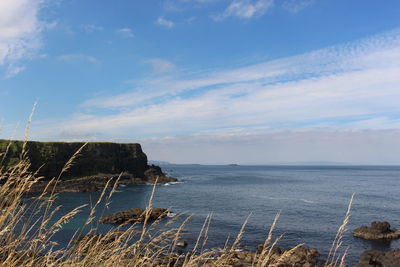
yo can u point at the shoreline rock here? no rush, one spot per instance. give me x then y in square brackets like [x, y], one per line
[375, 258]
[133, 215]
[297, 257]
[377, 231]
[96, 182]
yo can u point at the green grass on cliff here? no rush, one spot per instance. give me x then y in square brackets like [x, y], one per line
[27, 239]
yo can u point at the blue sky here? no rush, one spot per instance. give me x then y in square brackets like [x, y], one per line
[209, 81]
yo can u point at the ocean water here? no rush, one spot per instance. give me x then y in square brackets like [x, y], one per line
[312, 201]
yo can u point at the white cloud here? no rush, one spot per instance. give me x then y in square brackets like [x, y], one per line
[20, 33]
[14, 70]
[295, 6]
[160, 65]
[164, 22]
[340, 86]
[126, 32]
[246, 9]
[91, 28]
[336, 104]
[71, 58]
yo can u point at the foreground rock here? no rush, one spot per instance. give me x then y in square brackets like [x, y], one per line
[133, 215]
[91, 169]
[297, 257]
[374, 258]
[377, 231]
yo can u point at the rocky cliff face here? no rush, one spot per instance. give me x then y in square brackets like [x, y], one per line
[95, 158]
[93, 165]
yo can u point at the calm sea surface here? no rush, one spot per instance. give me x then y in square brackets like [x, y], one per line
[312, 201]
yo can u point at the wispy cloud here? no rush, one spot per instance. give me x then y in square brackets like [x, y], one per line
[341, 85]
[165, 22]
[181, 5]
[160, 65]
[92, 28]
[125, 32]
[14, 70]
[20, 33]
[190, 20]
[72, 58]
[295, 6]
[245, 9]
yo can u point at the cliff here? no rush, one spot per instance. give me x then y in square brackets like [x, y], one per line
[94, 161]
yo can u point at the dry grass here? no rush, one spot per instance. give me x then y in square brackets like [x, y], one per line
[27, 230]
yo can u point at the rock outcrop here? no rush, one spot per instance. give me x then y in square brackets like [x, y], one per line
[96, 163]
[133, 215]
[374, 258]
[297, 257]
[377, 231]
[300, 256]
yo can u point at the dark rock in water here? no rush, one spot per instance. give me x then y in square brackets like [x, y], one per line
[133, 215]
[154, 173]
[377, 231]
[383, 227]
[92, 167]
[374, 258]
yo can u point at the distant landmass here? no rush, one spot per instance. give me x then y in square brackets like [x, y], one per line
[305, 163]
[318, 163]
[160, 162]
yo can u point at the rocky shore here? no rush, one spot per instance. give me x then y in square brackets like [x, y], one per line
[374, 258]
[96, 182]
[300, 256]
[133, 215]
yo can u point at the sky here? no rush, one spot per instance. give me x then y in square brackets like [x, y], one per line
[207, 81]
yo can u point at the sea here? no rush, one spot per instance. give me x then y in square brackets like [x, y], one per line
[312, 202]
